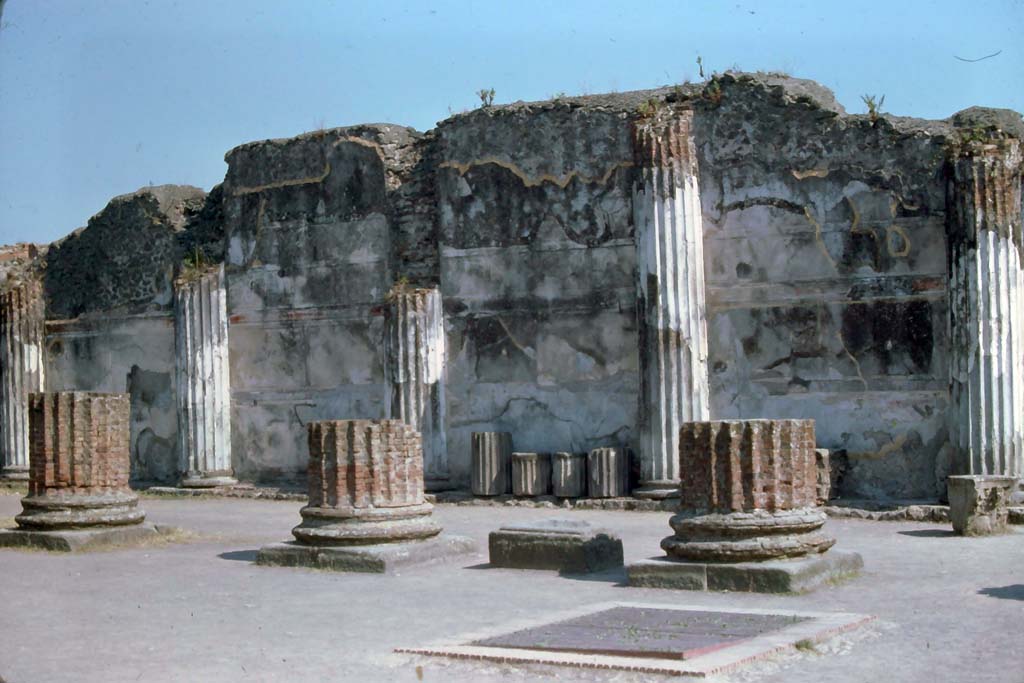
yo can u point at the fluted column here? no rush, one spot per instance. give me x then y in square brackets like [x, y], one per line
[985, 298]
[21, 371]
[204, 391]
[670, 295]
[416, 374]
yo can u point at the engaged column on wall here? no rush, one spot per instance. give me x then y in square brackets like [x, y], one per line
[416, 373]
[204, 391]
[985, 298]
[670, 294]
[21, 371]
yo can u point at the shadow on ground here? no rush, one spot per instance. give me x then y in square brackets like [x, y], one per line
[929, 533]
[239, 555]
[1011, 592]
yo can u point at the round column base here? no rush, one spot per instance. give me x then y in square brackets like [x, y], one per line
[51, 512]
[365, 526]
[747, 536]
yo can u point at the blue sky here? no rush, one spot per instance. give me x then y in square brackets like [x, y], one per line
[101, 97]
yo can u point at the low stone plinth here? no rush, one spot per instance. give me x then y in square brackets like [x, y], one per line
[491, 463]
[608, 472]
[569, 475]
[74, 540]
[366, 508]
[979, 504]
[571, 547]
[775, 576]
[373, 559]
[531, 474]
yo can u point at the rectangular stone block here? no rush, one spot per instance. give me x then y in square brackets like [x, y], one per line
[568, 546]
[531, 474]
[979, 504]
[774, 576]
[373, 559]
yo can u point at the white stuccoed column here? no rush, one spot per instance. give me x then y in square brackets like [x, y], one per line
[986, 285]
[670, 295]
[22, 320]
[203, 384]
[416, 374]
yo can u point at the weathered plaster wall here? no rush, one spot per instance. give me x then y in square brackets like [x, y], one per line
[132, 354]
[308, 232]
[537, 260]
[825, 265]
[110, 327]
[826, 273]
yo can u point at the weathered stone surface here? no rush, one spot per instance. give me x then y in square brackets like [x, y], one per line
[75, 540]
[986, 296]
[125, 257]
[979, 504]
[492, 463]
[21, 371]
[374, 559]
[670, 294]
[416, 369]
[569, 546]
[824, 475]
[608, 472]
[569, 474]
[204, 384]
[531, 474]
[748, 491]
[365, 485]
[774, 576]
[79, 462]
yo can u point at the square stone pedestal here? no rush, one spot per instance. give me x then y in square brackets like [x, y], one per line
[72, 540]
[571, 547]
[771, 576]
[979, 504]
[374, 559]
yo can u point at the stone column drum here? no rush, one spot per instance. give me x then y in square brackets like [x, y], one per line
[365, 485]
[491, 463]
[531, 474]
[986, 287]
[608, 472]
[569, 475]
[79, 463]
[416, 373]
[748, 492]
[203, 380]
[670, 294]
[21, 371]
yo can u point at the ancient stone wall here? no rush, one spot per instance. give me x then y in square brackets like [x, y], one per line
[308, 224]
[826, 281]
[826, 275]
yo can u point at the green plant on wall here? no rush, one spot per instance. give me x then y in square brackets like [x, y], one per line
[874, 106]
[486, 96]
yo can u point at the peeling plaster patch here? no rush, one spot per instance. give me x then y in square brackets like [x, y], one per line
[291, 182]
